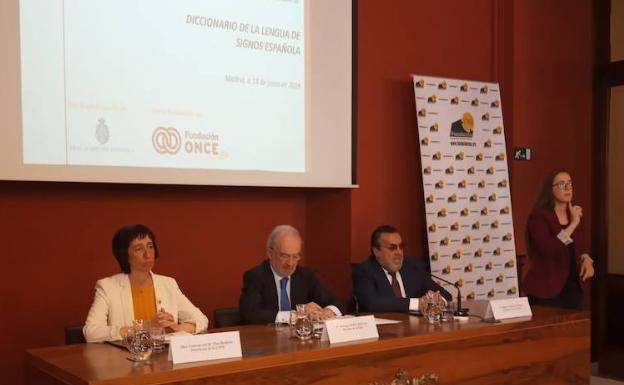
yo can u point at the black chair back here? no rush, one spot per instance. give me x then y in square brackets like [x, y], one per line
[74, 335]
[354, 306]
[225, 317]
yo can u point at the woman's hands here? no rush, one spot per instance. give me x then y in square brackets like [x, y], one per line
[576, 212]
[587, 268]
[164, 319]
[167, 321]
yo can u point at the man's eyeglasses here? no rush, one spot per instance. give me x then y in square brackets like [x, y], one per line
[394, 246]
[287, 257]
[563, 185]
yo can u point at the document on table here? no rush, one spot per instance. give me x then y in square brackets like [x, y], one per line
[384, 321]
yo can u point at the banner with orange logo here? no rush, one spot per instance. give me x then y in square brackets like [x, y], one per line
[466, 185]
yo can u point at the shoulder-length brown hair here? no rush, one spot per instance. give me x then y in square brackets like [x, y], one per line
[544, 199]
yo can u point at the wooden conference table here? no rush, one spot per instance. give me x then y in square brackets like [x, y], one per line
[550, 348]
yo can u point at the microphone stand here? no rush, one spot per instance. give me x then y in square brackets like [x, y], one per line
[460, 312]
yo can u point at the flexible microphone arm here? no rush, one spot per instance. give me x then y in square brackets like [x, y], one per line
[461, 312]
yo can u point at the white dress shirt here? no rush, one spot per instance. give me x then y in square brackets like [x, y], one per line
[413, 305]
[283, 316]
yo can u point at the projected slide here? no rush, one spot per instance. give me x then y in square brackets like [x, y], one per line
[191, 84]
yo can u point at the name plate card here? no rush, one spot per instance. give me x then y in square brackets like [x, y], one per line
[350, 329]
[500, 309]
[202, 347]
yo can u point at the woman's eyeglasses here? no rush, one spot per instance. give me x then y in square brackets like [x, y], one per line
[563, 185]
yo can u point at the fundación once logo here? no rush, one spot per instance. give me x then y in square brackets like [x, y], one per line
[166, 140]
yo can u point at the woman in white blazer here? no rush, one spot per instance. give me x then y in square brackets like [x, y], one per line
[137, 293]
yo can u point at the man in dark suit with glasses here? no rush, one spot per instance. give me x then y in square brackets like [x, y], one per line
[387, 280]
[274, 288]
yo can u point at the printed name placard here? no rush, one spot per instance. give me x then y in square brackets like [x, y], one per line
[350, 329]
[500, 309]
[204, 347]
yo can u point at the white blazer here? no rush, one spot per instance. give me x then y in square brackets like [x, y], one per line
[112, 307]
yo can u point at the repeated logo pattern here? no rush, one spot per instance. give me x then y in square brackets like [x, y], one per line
[465, 184]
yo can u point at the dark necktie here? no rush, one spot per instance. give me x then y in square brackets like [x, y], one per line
[284, 300]
[395, 285]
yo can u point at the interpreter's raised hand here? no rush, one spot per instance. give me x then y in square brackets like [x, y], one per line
[587, 269]
[576, 212]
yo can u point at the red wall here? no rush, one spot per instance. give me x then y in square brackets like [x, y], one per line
[552, 99]
[449, 39]
[56, 236]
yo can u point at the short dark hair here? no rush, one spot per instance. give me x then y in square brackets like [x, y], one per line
[383, 229]
[122, 239]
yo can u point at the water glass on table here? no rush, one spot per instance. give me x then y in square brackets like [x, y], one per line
[303, 325]
[447, 314]
[141, 344]
[432, 312]
[157, 333]
[433, 303]
[317, 325]
[292, 320]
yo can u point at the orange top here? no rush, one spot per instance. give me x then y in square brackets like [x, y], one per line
[144, 302]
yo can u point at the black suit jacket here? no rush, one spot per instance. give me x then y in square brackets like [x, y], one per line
[258, 300]
[374, 292]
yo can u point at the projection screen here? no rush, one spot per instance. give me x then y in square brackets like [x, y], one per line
[209, 92]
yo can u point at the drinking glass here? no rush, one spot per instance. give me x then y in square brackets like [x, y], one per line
[141, 346]
[157, 333]
[317, 325]
[432, 312]
[301, 308]
[292, 318]
[303, 325]
[127, 338]
[447, 314]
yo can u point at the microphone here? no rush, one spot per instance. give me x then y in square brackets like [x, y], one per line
[460, 312]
